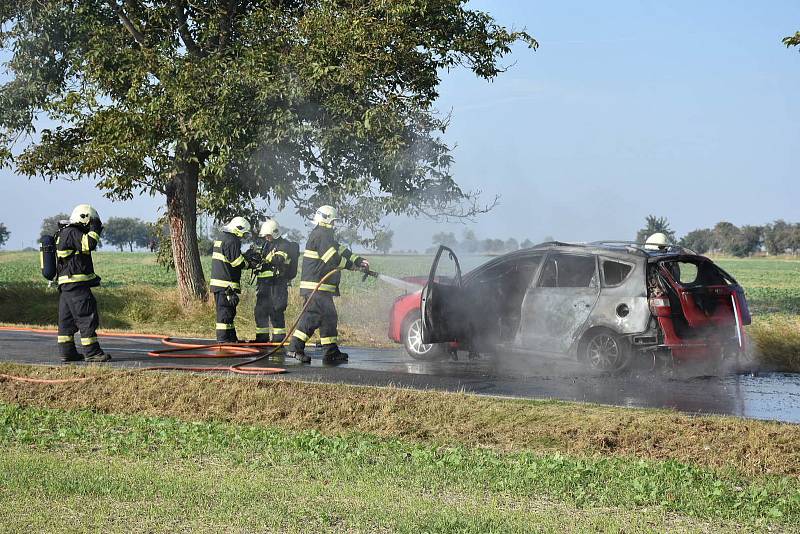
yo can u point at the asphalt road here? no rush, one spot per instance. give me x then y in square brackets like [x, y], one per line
[764, 396]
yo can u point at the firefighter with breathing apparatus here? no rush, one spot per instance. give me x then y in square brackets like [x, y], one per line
[321, 256]
[227, 262]
[67, 259]
[276, 267]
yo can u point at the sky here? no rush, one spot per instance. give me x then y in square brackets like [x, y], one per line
[687, 110]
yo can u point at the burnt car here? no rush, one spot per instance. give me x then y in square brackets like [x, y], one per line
[603, 303]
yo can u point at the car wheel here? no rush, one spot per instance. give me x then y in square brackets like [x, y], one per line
[412, 339]
[605, 351]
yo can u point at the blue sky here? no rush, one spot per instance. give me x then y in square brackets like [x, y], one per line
[683, 109]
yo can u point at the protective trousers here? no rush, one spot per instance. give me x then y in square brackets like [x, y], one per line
[321, 313]
[226, 313]
[271, 301]
[77, 312]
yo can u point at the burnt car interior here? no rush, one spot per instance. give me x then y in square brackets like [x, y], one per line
[497, 295]
[704, 302]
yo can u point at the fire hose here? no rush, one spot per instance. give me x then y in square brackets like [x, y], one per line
[184, 350]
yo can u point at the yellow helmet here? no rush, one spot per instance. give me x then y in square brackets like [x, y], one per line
[82, 214]
[270, 227]
[656, 241]
[326, 215]
[238, 227]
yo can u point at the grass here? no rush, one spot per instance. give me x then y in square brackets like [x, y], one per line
[752, 448]
[139, 295]
[239, 477]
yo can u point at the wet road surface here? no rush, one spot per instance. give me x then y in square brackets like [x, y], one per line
[773, 396]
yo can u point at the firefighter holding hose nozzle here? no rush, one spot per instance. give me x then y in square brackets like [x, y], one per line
[322, 256]
[77, 307]
[227, 262]
[277, 266]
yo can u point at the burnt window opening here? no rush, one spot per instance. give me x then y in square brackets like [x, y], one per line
[562, 270]
[695, 274]
[615, 272]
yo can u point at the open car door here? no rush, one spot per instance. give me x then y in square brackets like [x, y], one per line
[444, 310]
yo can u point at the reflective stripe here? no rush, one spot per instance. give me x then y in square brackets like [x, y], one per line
[86, 341]
[330, 253]
[279, 331]
[282, 253]
[343, 263]
[325, 225]
[265, 274]
[314, 255]
[76, 278]
[219, 256]
[300, 335]
[94, 235]
[65, 253]
[217, 243]
[328, 340]
[238, 261]
[313, 285]
[224, 326]
[262, 330]
[354, 258]
[85, 243]
[224, 283]
[66, 339]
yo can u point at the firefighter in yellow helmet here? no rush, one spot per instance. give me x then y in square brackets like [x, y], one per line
[277, 267]
[77, 307]
[321, 256]
[227, 263]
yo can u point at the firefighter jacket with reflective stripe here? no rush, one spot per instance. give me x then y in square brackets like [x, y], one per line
[277, 257]
[74, 246]
[227, 263]
[322, 255]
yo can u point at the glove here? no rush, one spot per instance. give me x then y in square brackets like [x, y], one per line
[362, 264]
[95, 225]
[232, 296]
[253, 258]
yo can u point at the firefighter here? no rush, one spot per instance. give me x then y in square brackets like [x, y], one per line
[657, 241]
[227, 263]
[321, 256]
[278, 266]
[77, 307]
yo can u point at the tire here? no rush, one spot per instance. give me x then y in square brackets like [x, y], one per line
[604, 351]
[411, 333]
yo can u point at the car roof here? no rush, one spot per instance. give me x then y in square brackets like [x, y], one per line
[616, 248]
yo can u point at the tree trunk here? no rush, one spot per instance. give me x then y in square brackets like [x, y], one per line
[182, 216]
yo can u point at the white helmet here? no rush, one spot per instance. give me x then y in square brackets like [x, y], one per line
[270, 227]
[326, 215]
[82, 214]
[238, 227]
[656, 241]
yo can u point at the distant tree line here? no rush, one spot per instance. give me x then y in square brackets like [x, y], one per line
[4, 234]
[471, 244]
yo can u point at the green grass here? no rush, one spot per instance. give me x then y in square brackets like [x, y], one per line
[79, 470]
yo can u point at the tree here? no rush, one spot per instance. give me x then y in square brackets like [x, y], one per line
[50, 224]
[293, 234]
[227, 105]
[126, 231]
[447, 239]
[792, 40]
[348, 236]
[700, 240]
[527, 243]
[382, 241]
[511, 244]
[4, 234]
[655, 225]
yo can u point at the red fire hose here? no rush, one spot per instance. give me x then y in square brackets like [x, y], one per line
[190, 350]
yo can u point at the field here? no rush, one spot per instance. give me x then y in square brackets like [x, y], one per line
[139, 295]
[92, 457]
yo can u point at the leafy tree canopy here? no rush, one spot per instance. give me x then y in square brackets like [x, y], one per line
[224, 105]
[4, 234]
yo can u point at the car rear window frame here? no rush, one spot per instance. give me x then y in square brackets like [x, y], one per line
[604, 259]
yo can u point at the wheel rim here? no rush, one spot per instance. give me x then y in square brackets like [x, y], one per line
[415, 338]
[603, 352]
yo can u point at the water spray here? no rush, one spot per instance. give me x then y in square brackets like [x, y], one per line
[391, 280]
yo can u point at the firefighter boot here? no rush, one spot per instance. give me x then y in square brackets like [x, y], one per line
[69, 353]
[334, 355]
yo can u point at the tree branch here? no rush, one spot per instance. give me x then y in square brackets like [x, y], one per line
[226, 27]
[183, 29]
[135, 33]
